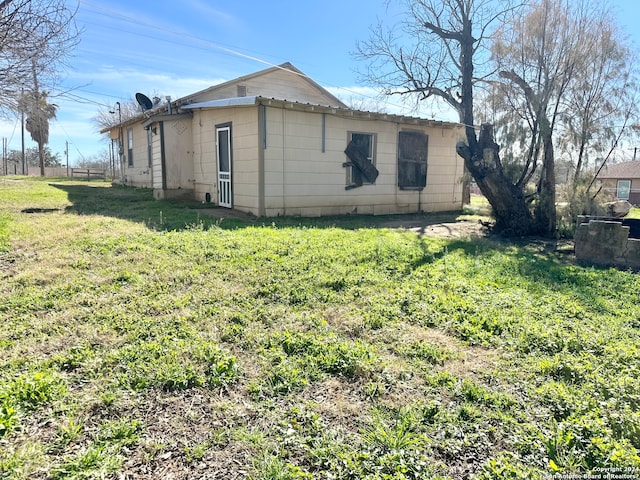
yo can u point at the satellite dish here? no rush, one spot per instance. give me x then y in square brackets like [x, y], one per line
[144, 101]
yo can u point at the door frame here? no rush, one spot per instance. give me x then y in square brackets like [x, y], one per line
[225, 185]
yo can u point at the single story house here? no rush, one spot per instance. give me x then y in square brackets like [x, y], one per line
[277, 143]
[622, 180]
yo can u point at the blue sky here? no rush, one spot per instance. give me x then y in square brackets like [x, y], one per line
[164, 47]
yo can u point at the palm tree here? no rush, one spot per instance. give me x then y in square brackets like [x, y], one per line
[38, 112]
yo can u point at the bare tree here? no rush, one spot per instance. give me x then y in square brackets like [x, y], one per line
[538, 56]
[604, 96]
[441, 50]
[568, 82]
[122, 111]
[542, 69]
[32, 29]
[99, 161]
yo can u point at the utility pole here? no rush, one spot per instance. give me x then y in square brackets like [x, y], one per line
[120, 139]
[66, 152]
[112, 161]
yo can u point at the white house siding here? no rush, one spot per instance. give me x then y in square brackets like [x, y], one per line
[244, 162]
[444, 171]
[277, 83]
[204, 155]
[156, 169]
[138, 175]
[301, 179]
[179, 174]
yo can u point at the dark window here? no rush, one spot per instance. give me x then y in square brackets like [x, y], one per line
[130, 147]
[412, 160]
[365, 143]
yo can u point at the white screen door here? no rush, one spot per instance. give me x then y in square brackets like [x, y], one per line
[223, 140]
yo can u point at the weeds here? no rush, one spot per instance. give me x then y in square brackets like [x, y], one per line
[26, 393]
[147, 334]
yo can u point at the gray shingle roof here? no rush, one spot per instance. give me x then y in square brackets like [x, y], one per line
[625, 170]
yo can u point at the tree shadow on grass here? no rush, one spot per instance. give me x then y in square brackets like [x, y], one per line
[529, 258]
[138, 205]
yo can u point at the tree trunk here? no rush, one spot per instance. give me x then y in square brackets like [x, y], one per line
[510, 208]
[545, 210]
[481, 157]
[466, 187]
[41, 155]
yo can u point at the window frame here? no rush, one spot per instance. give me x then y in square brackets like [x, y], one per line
[352, 171]
[618, 189]
[404, 162]
[130, 147]
[149, 147]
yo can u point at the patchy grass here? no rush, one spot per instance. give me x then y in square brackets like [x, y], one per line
[477, 209]
[633, 213]
[151, 339]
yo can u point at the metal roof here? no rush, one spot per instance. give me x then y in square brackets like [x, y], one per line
[258, 100]
[222, 102]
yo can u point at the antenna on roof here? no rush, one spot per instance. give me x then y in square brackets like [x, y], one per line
[144, 101]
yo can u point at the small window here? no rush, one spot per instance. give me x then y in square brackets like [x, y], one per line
[130, 147]
[412, 160]
[150, 147]
[365, 143]
[242, 90]
[623, 190]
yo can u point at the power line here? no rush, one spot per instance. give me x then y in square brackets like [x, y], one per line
[74, 145]
[231, 50]
[83, 100]
[234, 51]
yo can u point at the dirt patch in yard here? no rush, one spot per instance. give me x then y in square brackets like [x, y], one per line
[433, 226]
[446, 225]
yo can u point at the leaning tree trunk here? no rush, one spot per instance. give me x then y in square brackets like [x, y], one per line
[510, 208]
[480, 154]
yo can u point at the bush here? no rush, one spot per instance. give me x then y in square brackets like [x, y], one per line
[574, 200]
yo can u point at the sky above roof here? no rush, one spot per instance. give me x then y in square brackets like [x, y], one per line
[164, 48]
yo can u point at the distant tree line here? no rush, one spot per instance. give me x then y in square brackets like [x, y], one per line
[100, 161]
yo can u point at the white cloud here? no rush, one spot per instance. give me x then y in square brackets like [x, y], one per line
[130, 81]
[204, 9]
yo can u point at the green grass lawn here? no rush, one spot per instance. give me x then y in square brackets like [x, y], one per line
[634, 213]
[148, 339]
